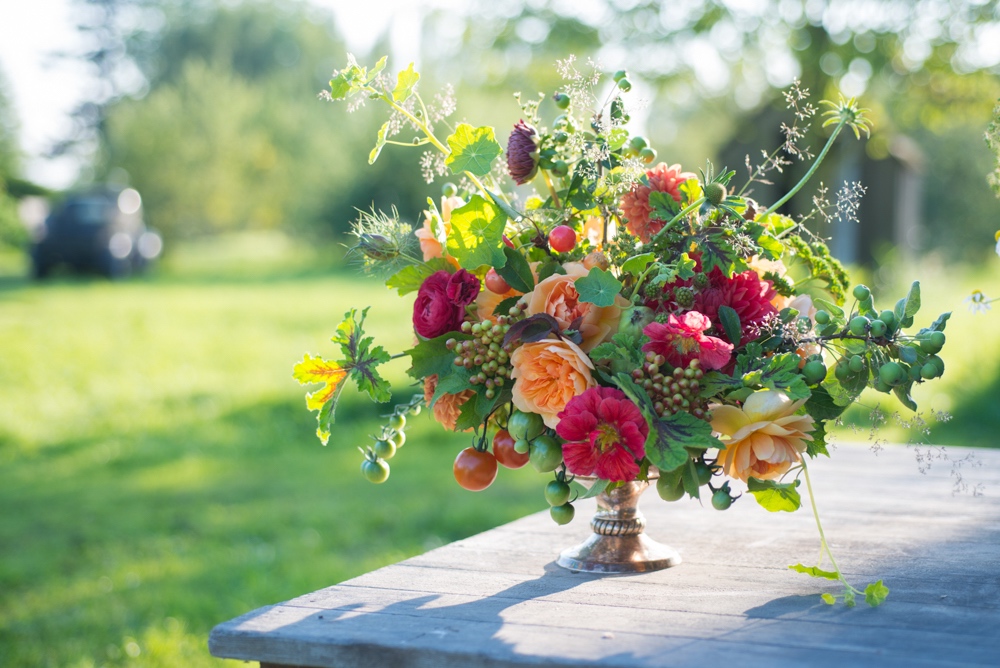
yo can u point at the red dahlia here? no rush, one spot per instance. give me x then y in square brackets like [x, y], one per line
[745, 293]
[605, 433]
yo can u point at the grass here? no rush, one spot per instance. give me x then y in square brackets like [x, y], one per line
[159, 472]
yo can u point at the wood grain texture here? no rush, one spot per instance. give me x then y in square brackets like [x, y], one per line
[497, 599]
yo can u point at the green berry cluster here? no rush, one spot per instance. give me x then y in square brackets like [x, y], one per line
[485, 353]
[675, 391]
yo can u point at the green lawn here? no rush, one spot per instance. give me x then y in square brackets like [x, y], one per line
[159, 472]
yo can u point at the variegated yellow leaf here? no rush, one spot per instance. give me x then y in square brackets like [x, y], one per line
[318, 370]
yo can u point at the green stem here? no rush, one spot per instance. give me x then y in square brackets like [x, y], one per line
[552, 190]
[812, 170]
[385, 95]
[823, 545]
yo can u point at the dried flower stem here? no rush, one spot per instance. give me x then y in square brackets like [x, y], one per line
[812, 170]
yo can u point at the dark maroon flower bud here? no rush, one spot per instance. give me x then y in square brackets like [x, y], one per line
[522, 153]
[463, 288]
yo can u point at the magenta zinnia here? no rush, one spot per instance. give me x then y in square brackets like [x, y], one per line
[605, 433]
[522, 154]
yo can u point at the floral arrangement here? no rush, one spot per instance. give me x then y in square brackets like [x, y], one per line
[628, 320]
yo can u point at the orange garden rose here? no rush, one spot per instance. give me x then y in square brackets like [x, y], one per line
[547, 374]
[764, 438]
[557, 296]
[448, 406]
[432, 245]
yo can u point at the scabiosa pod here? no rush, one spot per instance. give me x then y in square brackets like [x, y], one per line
[522, 153]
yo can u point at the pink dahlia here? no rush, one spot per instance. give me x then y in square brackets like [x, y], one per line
[635, 203]
[605, 433]
[745, 293]
[682, 339]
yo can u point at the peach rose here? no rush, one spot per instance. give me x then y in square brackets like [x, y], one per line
[487, 300]
[547, 374]
[557, 296]
[448, 406]
[764, 437]
[432, 240]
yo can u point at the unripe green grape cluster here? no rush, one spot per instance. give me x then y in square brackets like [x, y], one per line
[485, 353]
[675, 391]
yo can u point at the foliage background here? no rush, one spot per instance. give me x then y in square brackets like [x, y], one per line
[158, 469]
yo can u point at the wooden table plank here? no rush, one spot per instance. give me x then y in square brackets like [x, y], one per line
[497, 598]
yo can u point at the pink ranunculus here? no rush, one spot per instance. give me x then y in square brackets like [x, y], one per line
[605, 434]
[745, 293]
[682, 338]
[441, 301]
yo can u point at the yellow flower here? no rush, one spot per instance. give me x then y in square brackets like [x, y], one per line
[547, 374]
[764, 438]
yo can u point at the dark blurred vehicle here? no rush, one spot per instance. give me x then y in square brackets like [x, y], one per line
[101, 231]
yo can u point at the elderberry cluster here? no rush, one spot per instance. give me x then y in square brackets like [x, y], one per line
[675, 391]
[485, 353]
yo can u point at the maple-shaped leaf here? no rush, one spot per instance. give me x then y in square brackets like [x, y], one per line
[359, 363]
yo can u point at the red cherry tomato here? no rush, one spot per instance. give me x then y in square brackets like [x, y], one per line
[475, 470]
[495, 282]
[503, 450]
[562, 239]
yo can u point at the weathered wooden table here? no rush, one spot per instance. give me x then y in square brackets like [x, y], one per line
[498, 599]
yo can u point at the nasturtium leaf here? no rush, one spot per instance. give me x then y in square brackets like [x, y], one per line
[516, 271]
[730, 320]
[511, 212]
[411, 277]
[670, 436]
[636, 265]
[598, 287]
[405, 81]
[876, 593]
[617, 138]
[775, 496]
[379, 143]
[815, 571]
[473, 150]
[432, 357]
[476, 237]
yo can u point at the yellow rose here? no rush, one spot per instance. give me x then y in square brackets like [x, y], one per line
[547, 374]
[764, 438]
[557, 296]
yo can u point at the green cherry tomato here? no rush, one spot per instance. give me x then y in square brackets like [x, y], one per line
[556, 492]
[546, 454]
[562, 514]
[624, 84]
[619, 75]
[376, 471]
[721, 499]
[814, 371]
[861, 292]
[385, 449]
[842, 370]
[397, 422]
[522, 447]
[670, 488]
[704, 472]
[525, 426]
[856, 364]
[647, 155]
[638, 143]
[561, 100]
[822, 317]
[398, 438]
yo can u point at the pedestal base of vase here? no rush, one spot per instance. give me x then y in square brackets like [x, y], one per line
[618, 544]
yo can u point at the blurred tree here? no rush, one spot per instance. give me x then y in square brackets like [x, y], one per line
[12, 232]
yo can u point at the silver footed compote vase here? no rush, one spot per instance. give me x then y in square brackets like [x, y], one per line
[618, 544]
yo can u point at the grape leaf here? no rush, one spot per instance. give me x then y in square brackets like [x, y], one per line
[473, 150]
[476, 237]
[876, 593]
[814, 571]
[359, 364]
[774, 496]
[405, 81]
[379, 143]
[411, 277]
[598, 287]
